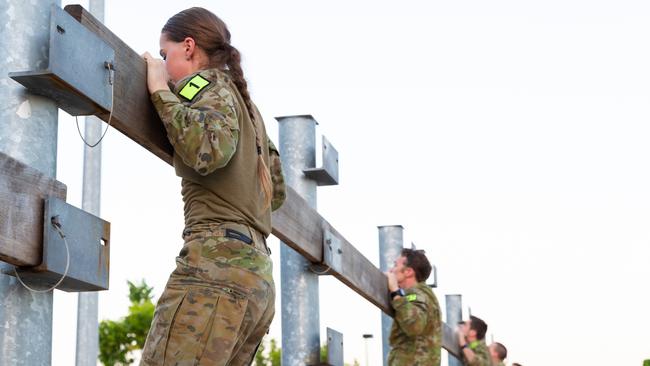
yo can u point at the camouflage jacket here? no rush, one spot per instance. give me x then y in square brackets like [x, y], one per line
[416, 334]
[202, 118]
[481, 354]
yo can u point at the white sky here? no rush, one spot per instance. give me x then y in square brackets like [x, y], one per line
[507, 137]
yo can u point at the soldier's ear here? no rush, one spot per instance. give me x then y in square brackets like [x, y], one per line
[190, 45]
[412, 271]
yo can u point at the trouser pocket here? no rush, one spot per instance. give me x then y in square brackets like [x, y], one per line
[199, 326]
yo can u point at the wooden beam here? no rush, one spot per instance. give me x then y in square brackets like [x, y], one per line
[450, 341]
[295, 223]
[22, 191]
[133, 113]
[299, 226]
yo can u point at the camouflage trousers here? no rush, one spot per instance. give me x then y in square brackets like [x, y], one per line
[218, 302]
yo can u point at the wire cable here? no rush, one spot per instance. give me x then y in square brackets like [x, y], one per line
[57, 227]
[111, 72]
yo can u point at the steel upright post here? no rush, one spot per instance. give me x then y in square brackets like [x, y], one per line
[28, 132]
[454, 309]
[300, 303]
[391, 242]
[88, 302]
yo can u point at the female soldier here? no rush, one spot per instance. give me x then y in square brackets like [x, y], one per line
[219, 301]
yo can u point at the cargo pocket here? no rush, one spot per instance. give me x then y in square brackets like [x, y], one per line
[190, 327]
[166, 309]
[225, 328]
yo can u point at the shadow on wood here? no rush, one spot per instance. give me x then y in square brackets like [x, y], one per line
[22, 193]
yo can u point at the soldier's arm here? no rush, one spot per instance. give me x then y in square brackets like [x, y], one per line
[411, 314]
[205, 133]
[277, 178]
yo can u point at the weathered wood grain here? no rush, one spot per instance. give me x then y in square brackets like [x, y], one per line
[22, 190]
[298, 225]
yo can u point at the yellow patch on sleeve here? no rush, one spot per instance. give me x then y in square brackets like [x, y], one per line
[411, 297]
[193, 87]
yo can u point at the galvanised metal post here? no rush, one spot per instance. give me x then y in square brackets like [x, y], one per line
[391, 242]
[28, 132]
[454, 309]
[88, 302]
[300, 303]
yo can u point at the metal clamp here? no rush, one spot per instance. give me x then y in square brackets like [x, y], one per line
[76, 74]
[328, 174]
[332, 252]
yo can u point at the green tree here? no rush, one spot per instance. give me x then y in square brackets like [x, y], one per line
[272, 357]
[275, 354]
[117, 339]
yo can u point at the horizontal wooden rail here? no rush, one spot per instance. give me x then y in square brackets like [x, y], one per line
[22, 193]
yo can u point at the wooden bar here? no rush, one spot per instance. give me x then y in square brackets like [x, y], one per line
[295, 223]
[133, 113]
[22, 193]
[298, 226]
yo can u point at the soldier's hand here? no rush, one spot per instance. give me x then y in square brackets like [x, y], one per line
[460, 335]
[156, 73]
[392, 281]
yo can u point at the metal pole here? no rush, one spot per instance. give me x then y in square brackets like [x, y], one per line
[366, 337]
[454, 309]
[300, 304]
[28, 132]
[88, 302]
[391, 242]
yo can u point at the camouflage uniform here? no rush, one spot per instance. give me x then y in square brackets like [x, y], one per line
[416, 334]
[219, 301]
[500, 363]
[481, 354]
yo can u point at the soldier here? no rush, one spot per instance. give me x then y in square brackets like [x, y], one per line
[219, 301]
[498, 353]
[471, 340]
[416, 334]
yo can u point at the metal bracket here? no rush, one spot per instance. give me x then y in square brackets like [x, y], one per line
[88, 240]
[332, 253]
[434, 272]
[328, 175]
[334, 347]
[77, 77]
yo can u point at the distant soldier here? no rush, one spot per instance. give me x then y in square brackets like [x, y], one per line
[498, 352]
[416, 335]
[471, 340]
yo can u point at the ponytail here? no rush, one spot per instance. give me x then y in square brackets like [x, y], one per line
[234, 66]
[211, 34]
